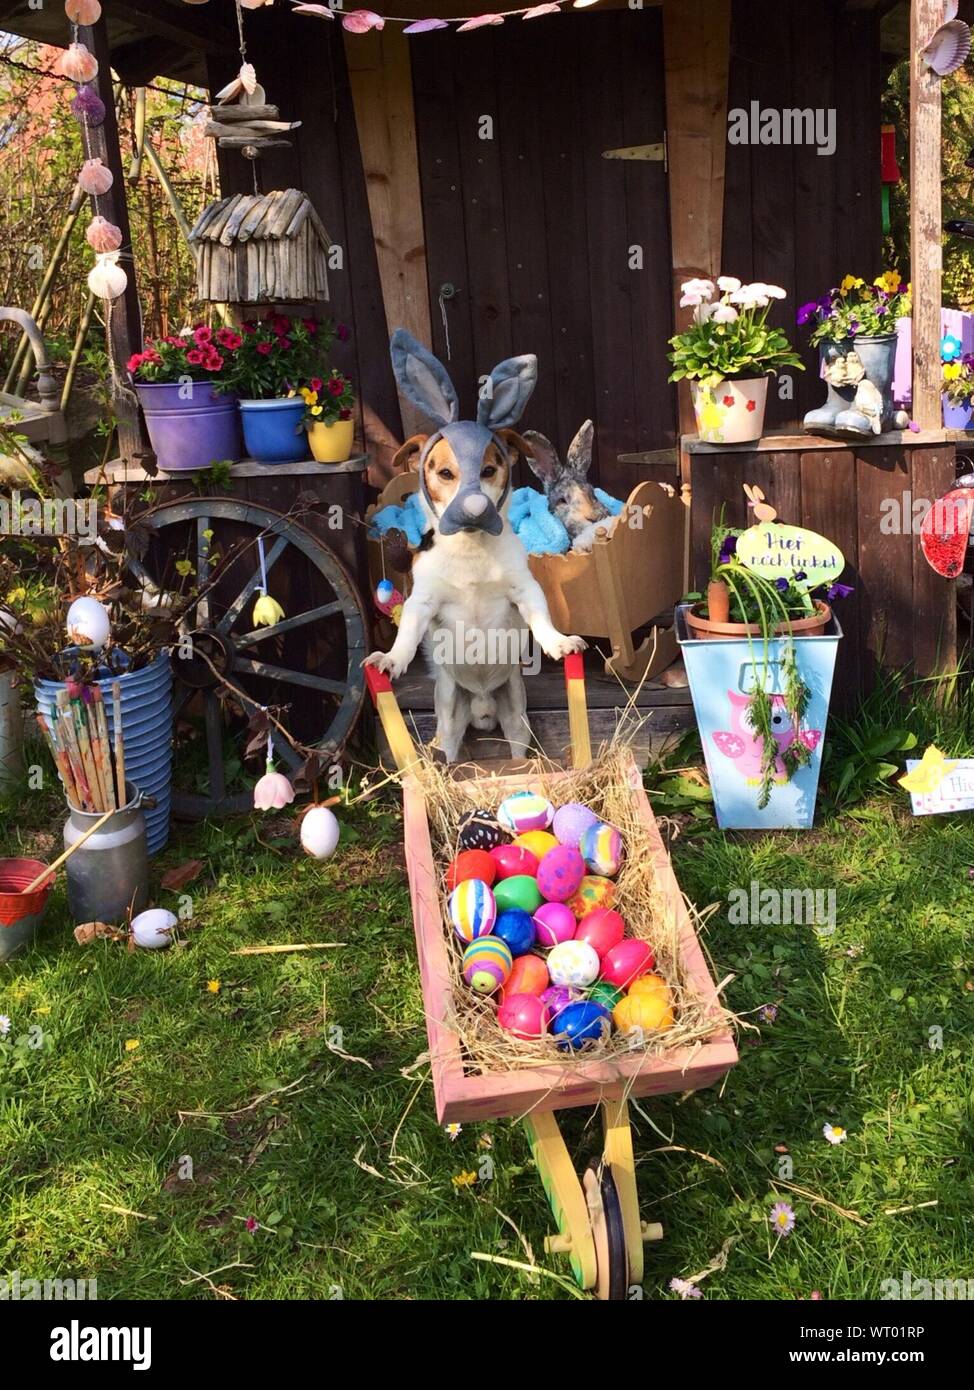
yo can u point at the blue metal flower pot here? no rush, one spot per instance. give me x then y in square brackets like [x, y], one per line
[723, 673]
[147, 726]
[273, 431]
[958, 417]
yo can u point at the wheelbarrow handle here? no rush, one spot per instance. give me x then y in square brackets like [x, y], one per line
[387, 708]
[578, 729]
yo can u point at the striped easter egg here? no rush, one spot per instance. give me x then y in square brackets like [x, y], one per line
[601, 848]
[472, 909]
[487, 964]
[525, 811]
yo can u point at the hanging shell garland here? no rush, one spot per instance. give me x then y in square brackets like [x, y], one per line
[107, 279]
[103, 235]
[88, 106]
[78, 64]
[82, 11]
[95, 177]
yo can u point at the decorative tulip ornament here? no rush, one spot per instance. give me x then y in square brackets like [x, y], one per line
[267, 611]
[273, 792]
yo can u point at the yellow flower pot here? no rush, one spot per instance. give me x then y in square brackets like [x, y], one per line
[332, 443]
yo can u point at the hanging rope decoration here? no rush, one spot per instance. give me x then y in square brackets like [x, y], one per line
[363, 21]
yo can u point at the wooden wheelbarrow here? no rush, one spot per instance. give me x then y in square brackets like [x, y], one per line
[599, 1226]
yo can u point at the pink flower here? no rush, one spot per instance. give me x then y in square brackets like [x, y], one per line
[336, 385]
[264, 349]
[283, 343]
[316, 383]
[345, 414]
[311, 325]
[194, 357]
[202, 335]
[213, 361]
[228, 339]
[135, 362]
[251, 1224]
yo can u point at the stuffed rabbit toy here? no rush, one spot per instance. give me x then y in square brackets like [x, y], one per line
[571, 497]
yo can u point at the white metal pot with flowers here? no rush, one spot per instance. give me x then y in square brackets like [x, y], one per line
[727, 352]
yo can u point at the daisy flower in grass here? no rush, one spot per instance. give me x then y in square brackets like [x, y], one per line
[685, 1289]
[4, 1025]
[782, 1218]
[453, 1131]
[768, 1013]
[835, 1134]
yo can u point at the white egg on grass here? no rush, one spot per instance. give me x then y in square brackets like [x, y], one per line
[153, 929]
[320, 831]
[88, 623]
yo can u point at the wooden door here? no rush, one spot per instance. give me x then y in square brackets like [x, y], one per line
[550, 247]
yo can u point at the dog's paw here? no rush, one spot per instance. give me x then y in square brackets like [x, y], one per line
[564, 646]
[387, 663]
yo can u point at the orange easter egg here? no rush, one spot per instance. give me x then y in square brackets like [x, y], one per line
[648, 1006]
[529, 975]
[593, 891]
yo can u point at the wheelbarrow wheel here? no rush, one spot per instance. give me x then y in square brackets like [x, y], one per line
[608, 1232]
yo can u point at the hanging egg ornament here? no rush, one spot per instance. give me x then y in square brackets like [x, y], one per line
[647, 1006]
[472, 909]
[525, 811]
[536, 842]
[580, 1023]
[573, 963]
[88, 623]
[529, 975]
[471, 863]
[487, 963]
[554, 922]
[523, 1016]
[623, 963]
[593, 892]
[102, 235]
[571, 822]
[86, 12]
[479, 830]
[520, 891]
[95, 177]
[514, 860]
[602, 928]
[389, 600]
[601, 848]
[88, 106]
[107, 279]
[517, 929]
[77, 63]
[320, 832]
[560, 873]
[153, 929]
[273, 791]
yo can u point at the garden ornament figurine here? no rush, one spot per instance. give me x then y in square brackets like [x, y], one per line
[860, 390]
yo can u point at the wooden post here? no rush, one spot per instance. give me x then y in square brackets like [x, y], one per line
[696, 43]
[926, 258]
[126, 320]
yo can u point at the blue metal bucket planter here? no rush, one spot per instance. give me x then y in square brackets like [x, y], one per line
[147, 726]
[723, 674]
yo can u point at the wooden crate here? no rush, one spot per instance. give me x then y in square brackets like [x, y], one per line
[463, 1095]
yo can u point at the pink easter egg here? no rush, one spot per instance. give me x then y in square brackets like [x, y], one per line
[555, 922]
[523, 1015]
[624, 962]
[602, 928]
[560, 872]
[513, 860]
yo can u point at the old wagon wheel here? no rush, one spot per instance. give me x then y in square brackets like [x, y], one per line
[310, 661]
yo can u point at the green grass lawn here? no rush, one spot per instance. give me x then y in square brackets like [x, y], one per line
[295, 1090]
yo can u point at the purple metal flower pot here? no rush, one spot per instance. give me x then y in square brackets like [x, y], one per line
[958, 417]
[191, 426]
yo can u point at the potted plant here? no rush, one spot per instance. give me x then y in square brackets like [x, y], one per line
[958, 384]
[328, 407]
[727, 354]
[192, 422]
[277, 354]
[760, 655]
[854, 327]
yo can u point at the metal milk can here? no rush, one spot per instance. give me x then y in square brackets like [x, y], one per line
[109, 875]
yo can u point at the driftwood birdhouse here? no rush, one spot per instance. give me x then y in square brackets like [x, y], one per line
[268, 248]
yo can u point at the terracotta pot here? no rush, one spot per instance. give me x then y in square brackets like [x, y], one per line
[732, 412]
[718, 601]
[798, 627]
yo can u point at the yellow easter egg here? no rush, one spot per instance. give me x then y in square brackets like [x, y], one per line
[536, 842]
[594, 891]
[647, 1006]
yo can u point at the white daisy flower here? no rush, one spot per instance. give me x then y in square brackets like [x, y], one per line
[835, 1134]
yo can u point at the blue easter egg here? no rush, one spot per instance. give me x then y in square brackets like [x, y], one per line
[578, 1023]
[516, 927]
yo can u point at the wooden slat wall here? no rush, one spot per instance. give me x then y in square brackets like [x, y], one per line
[791, 216]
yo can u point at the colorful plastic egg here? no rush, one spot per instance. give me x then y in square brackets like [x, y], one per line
[320, 832]
[529, 975]
[580, 1023]
[605, 994]
[523, 1016]
[571, 822]
[487, 964]
[479, 830]
[558, 997]
[513, 860]
[593, 892]
[602, 849]
[520, 891]
[554, 922]
[471, 863]
[602, 928]
[560, 873]
[516, 928]
[525, 811]
[573, 963]
[536, 842]
[624, 962]
[647, 1006]
[472, 909]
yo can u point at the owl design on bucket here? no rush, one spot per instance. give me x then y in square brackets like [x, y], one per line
[743, 747]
